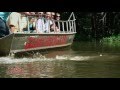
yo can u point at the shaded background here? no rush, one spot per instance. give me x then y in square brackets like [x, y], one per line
[95, 25]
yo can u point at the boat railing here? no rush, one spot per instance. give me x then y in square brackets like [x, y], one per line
[65, 26]
[68, 26]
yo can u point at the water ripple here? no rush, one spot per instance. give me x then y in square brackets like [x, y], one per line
[10, 60]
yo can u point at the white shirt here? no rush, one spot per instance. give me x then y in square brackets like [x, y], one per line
[43, 25]
[15, 19]
[47, 25]
[40, 25]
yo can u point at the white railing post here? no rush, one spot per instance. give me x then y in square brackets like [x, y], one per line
[49, 26]
[74, 16]
[70, 25]
[74, 22]
[70, 16]
[67, 25]
[28, 24]
[59, 25]
[54, 26]
[63, 26]
[73, 27]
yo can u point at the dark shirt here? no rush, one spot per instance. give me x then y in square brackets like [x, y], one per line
[31, 27]
[4, 30]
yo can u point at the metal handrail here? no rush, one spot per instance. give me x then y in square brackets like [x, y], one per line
[69, 24]
[64, 20]
[72, 15]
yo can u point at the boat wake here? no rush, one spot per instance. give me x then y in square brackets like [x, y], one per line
[11, 60]
[75, 58]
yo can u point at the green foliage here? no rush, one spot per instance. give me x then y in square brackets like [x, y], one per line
[112, 40]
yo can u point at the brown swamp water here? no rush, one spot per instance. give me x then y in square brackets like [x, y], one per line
[82, 60]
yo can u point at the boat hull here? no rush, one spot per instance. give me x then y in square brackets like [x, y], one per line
[21, 42]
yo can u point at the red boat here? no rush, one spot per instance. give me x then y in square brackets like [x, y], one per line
[24, 42]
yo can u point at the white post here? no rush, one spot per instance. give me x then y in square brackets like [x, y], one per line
[63, 26]
[59, 25]
[28, 24]
[74, 16]
[54, 26]
[49, 26]
[70, 16]
[67, 25]
[74, 22]
[70, 26]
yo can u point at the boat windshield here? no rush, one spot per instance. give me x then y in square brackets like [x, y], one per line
[4, 15]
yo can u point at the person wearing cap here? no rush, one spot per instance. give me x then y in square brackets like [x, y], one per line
[27, 13]
[40, 15]
[24, 21]
[32, 13]
[57, 16]
[47, 22]
[40, 23]
[54, 25]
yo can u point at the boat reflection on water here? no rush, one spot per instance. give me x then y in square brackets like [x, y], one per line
[25, 70]
[43, 69]
[15, 70]
[48, 67]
